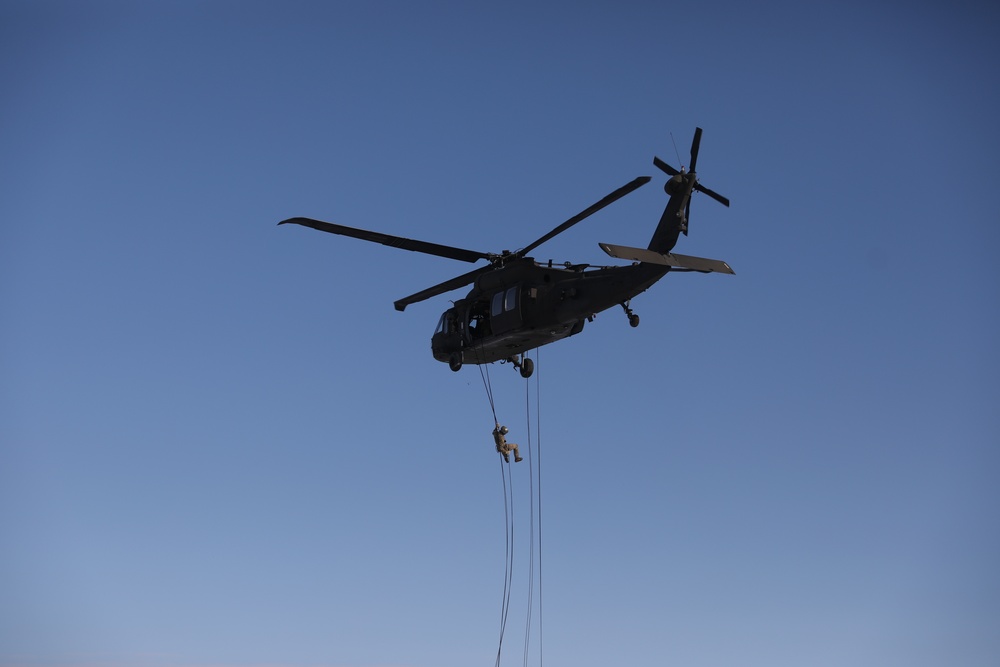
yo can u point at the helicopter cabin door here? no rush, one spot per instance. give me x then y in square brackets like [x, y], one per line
[505, 310]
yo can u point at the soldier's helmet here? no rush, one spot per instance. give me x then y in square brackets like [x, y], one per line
[504, 430]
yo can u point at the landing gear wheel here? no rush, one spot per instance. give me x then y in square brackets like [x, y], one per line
[522, 363]
[455, 361]
[633, 319]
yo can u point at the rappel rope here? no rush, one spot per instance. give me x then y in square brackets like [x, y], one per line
[508, 517]
[534, 477]
[538, 479]
[538, 485]
[531, 513]
[489, 389]
[508, 501]
[535, 480]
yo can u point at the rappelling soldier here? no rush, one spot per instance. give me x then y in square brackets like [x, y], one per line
[504, 447]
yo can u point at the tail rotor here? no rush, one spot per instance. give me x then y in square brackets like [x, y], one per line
[679, 186]
[683, 181]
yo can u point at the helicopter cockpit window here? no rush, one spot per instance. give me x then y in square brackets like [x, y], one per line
[510, 301]
[442, 323]
[497, 306]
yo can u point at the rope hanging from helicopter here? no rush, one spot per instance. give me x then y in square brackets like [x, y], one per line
[489, 389]
[508, 517]
[534, 476]
[535, 484]
[508, 578]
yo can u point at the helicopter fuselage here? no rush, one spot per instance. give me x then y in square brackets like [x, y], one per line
[526, 304]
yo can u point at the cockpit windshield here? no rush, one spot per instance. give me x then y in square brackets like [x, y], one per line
[447, 324]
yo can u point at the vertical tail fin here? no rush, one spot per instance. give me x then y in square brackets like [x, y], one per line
[679, 186]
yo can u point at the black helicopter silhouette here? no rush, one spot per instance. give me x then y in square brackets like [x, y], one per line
[518, 304]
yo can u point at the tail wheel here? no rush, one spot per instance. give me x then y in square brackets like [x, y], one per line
[633, 320]
[527, 368]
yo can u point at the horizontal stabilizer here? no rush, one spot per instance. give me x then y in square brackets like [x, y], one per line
[670, 259]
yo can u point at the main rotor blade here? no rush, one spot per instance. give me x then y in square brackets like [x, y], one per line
[441, 288]
[664, 166]
[392, 241]
[610, 199]
[695, 145]
[714, 195]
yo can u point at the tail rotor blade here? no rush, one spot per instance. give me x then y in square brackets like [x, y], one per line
[714, 195]
[663, 166]
[695, 145]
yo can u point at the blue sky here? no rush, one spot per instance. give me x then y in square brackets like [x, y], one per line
[220, 445]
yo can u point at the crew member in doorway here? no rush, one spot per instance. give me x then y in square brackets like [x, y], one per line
[504, 447]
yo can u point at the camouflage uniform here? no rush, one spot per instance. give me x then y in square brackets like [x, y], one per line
[504, 447]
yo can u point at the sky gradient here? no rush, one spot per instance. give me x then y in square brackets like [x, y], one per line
[220, 445]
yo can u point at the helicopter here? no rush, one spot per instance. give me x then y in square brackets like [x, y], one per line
[517, 304]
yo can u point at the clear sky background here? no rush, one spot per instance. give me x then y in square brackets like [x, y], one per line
[220, 445]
